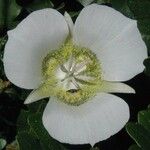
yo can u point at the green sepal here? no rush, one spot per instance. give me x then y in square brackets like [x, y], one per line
[44, 91]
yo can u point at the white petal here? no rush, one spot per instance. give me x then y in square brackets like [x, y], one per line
[28, 44]
[98, 24]
[91, 122]
[115, 40]
[70, 22]
[116, 87]
[123, 58]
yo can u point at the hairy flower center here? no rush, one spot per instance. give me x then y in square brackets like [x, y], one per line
[73, 73]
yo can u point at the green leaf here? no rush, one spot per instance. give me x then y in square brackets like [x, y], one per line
[102, 1]
[27, 141]
[3, 41]
[2, 13]
[9, 11]
[140, 8]
[2, 143]
[30, 124]
[144, 27]
[37, 107]
[147, 65]
[146, 39]
[141, 11]
[134, 147]
[22, 124]
[122, 6]
[39, 4]
[85, 2]
[139, 134]
[74, 13]
[35, 122]
[144, 119]
[13, 10]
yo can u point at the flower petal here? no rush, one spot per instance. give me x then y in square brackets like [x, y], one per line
[28, 44]
[123, 58]
[91, 122]
[115, 40]
[98, 24]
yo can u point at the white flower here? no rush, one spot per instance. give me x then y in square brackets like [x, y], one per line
[78, 65]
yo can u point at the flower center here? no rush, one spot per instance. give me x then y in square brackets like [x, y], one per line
[73, 73]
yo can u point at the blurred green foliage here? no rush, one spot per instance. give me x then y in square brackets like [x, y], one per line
[140, 131]
[9, 10]
[147, 66]
[31, 133]
[2, 143]
[39, 4]
[134, 147]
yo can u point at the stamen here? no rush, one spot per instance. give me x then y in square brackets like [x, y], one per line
[62, 67]
[75, 83]
[71, 62]
[81, 67]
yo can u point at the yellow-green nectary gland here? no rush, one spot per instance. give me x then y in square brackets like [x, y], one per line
[73, 73]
